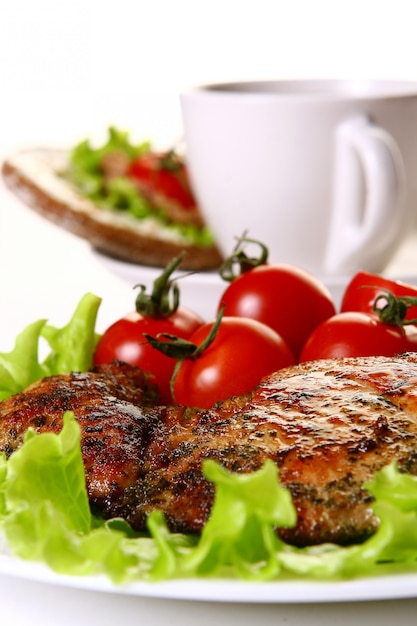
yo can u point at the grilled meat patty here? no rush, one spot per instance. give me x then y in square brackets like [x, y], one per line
[329, 426]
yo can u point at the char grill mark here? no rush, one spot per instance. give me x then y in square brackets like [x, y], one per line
[329, 426]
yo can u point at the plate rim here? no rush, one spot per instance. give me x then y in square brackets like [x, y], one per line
[398, 586]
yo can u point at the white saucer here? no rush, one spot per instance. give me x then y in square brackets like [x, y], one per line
[202, 291]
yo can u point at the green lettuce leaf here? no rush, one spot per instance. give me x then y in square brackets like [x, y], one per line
[239, 536]
[70, 348]
[21, 367]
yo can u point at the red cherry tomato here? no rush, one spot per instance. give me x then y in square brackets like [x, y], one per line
[286, 298]
[352, 334]
[124, 340]
[156, 313]
[242, 352]
[364, 288]
[165, 174]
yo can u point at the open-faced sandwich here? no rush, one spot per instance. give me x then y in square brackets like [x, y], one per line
[128, 201]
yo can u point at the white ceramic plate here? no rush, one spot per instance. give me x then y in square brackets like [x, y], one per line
[399, 586]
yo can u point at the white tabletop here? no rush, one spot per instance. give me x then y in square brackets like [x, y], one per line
[44, 272]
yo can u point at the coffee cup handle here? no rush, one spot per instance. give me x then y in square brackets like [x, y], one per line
[369, 209]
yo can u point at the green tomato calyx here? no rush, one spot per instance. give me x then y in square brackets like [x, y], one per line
[239, 262]
[164, 298]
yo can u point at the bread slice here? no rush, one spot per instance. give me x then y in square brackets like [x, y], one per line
[35, 176]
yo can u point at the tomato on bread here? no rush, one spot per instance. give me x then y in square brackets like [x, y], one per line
[96, 193]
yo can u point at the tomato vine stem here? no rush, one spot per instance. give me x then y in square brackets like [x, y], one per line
[164, 298]
[239, 262]
[181, 349]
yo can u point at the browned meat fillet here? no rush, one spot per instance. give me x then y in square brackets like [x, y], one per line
[328, 425]
[111, 406]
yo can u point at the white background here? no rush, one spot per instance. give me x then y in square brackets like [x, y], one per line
[70, 67]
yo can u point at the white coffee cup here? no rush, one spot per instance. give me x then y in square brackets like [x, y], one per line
[324, 172]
